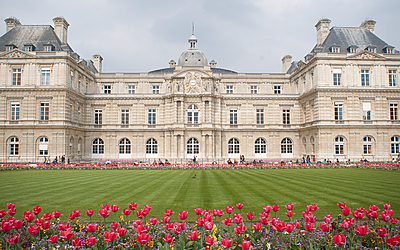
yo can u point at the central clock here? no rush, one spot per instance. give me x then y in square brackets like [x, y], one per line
[193, 82]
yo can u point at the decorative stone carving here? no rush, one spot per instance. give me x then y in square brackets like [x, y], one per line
[192, 83]
[16, 54]
[216, 86]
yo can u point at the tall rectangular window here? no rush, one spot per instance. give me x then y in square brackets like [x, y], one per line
[260, 116]
[364, 77]
[229, 89]
[131, 89]
[277, 89]
[338, 111]
[305, 113]
[79, 114]
[124, 116]
[71, 112]
[337, 77]
[156, 89]
[98, 116]
[45, 76]
[286, 116]
[253, 89]
[71, 79]
[394, 111]
[16, 76]
[392, 78]
[15, 111]
[233, 116]
[44, 111]
[151, 116]
[366, 111]
[107, 89]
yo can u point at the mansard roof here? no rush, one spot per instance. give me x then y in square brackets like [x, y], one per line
[214, 70]
[36, 35]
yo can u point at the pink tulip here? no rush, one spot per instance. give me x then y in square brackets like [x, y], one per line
[183, 215]
[289, 206]
[246, 244]
[226, 243]
[339, 239]
[239, 205]
[229, 209]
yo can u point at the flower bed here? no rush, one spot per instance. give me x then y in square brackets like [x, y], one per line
[375, 228]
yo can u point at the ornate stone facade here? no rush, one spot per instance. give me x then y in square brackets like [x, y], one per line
[341, 102]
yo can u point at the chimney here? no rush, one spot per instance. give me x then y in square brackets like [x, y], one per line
[322, 30]
[369, 24]
[11, 22]
[286, 62]
[213, 64]
[97, 62]
[61, 28]
[172, 64]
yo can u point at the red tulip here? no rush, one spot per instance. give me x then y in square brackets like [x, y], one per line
[289, 213]
[153, 221]
[198, 210]
[2, 213]
[210, 241]
[168, 212]
[143, 238]
[10, 205]
[71, 216]
[17, 224]
[57, 214]
[297, 224]
[166, 219]
[328, 218]
[373, 208]
[67, 235]
[208, 225]
[229, 209]
[169, 226]
[132, 206]
[48, 216]
[310, 227]
[274, 220]
[341, 205]
[46, 224]
[63, 227]
[346, 211]
[382, 232]
[362, 230]
[228, 221]
[208, 217]
[5, 226]
[265, 220]
[275, 208]
[358, 214]
[226, 243]
[257, 226]
[312, 207]
[183, 215]
[267, 209]
[91, 240]
[114, 208]
[114, 225]
[33, 230]
[140, 214]
[372, 214]
[145, 211]
[306, 213]
[245, 244]
[13, 240]
[110, 236]
[200, 222]
[238, 218]
[104, 213]
[393, 241]
[12, 211]
[92, 227]
[324, 227]
[39, 221]
[239, 205]
[36, 210]
[386, 206]
[289, 227]
[289, 206]
[53, 239]
[240, 229]
[142, 229]
[250, 216]
[339, 239]
[194, 235]
[77, 243]
[77, 213]
[311, 218]
[168, 238]
[280, 226]
[183, 225]
[106, 206]
[121, 231]
[394, 220]
[346, 224]
[147, 207]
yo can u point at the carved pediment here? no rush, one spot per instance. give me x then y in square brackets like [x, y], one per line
[183, 73]
[366, 55]
[16, 53]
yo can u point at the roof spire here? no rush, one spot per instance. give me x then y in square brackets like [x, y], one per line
[192, 28]
[192, 40]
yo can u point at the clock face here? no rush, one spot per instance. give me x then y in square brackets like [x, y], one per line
[192, 82]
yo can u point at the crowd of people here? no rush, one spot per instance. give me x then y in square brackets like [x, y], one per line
[57, 160]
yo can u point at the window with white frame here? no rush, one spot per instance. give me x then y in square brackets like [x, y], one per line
[367, 145]
[389, 50]
[338, 111]
[98, 146]
[366, 110]
[44, 111]
[335, 49]
[253, 89]
[151, 116]
[233, 146]
[277, 89]
[392, 77]
[286, 146]
[48, 48]
[14, 146]
[233, 116]
[107, 89]
[286, 116]
[79, 114]
[124, 146]
[192, 146]
[337, 77]
[394, 111]
[98, 116]
[260, 116]
[156, 89]
[371, 49]
[339, 145]
[16, 76]
[365, 77]
[353, 50]
[28, 48]
[312, 144]
[15, 111]
[395, 145]
[71, 111]
[229, 89]
[151, 146]
[131, 89]
[193, 114]
[43, 146]
[260, 146]
[124, 116]
[45, 76]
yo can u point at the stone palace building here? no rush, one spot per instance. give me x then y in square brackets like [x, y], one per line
[340, 102]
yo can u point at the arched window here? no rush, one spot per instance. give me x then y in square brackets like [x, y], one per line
[395, 144]
[339, 145]
[367, 145]
[98, 146]
[151, 146]
[43, 146]
[14, 146]
[193, 114]
[260, 146]
[286, 146]
[124, 146]
[233, 146]
[192, 146]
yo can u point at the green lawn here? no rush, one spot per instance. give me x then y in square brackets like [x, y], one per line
[66, 190]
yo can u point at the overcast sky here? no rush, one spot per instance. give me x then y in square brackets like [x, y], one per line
[245, 36]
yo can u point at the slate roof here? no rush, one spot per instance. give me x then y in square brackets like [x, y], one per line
[36, 35]
[214, 70]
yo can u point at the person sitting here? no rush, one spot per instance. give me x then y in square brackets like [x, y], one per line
[229, 161]
[160, 162]
[254, 162]
[214, 162]
[166, 162]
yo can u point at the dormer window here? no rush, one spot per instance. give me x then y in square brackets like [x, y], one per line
[29, 47]
[48, 47]
[335, 49]
[352, 49]
[10, 47]
[371, 49]
[389, 49]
